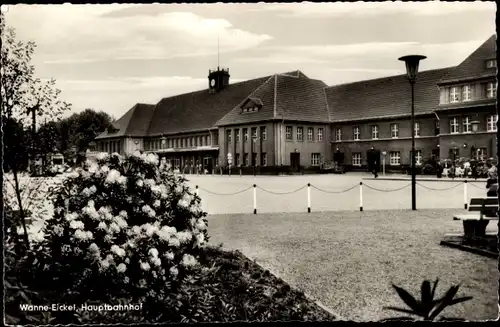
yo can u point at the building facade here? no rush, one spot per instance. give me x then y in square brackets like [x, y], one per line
[289, 121]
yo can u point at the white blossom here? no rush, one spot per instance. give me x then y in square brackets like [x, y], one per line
[169, 255]
[154, 274]
[86, 192]
[121, 268]
[94, 248]
[104, 264]
[76, 224]
[174, 242]
[117, 250]
[58, 230]
[102, 225]
[94, 167]
[145, 266]
[166, 232]
[184, 236]
[142, 283]
[151, 159]
[102, 156]
[114, 228]
[113, 176]
[200, 225]
[123, 214]
[157, 204]
[174, 271]
[37, 237]
[122, 223]
[200, 238]
[189, 261]
[136, 229]
[139, 183]
[153, 252]
[156, 261]
[71, 216]
[126, 280]
[183, 203]
[93, 189]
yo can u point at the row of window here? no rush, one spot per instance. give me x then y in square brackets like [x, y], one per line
[491, 124]
[394, 158]
[356, 131]
[263, 134]
[110, 146]
[180, 142]
[300, 134]
[463, 93]
[246, 158]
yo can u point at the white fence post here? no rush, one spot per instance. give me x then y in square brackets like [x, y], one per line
[308, 197]
[465, 194]
[254, 199]
[360, 196]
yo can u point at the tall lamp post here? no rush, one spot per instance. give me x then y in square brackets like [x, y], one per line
[412, 62]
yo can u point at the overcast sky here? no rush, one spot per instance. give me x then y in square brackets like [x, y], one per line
[109, 57]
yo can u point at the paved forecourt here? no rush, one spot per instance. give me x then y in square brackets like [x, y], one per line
[329, 192]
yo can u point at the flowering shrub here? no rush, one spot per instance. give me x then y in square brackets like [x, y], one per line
[121, 227]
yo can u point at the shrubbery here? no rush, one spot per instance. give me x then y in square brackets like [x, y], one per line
[122, 228]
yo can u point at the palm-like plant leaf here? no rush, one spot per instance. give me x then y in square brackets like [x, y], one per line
[401, 310]
[427, 297]
[447, 299]
[402, 318]
[408, 299]
[434, 287]
[460, 299]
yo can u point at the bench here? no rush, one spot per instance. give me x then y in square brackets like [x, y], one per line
[484, 207]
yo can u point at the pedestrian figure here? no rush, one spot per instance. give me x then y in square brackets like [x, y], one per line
[374, 169]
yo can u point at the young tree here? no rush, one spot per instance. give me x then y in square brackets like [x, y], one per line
[24, 99]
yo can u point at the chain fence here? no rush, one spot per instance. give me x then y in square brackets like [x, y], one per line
[358, 185]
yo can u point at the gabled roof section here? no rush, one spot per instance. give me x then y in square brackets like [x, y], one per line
[474, 66]
[134, 122]
[384, 97]
[288, 96]
[300, 99]
[200, 110]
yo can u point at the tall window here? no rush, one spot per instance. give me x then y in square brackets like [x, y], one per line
[237, 135]
[254, 159]
[237, 159]
[417, 129]
[288, 133]
[263, 159]
[394, 131]
[254, 134]
[315, 158]
[454, 125]
[454, 94]
[491, 90]
[300, 133]
[436, 128]
[245, 159]
[481, 154]
[467, 92]
[374, 132]
[245, 134]
[356, 133]
[338, 136]
[491, 123]
[467, 128]
[395, 158]
[356, 159]
[310, 134]
[263, 133]
[320, 134]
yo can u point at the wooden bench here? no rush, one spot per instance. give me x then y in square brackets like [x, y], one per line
[484, 208]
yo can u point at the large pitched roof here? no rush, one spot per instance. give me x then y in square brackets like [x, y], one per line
[199, 110]
[134, 122]
[289, 96]
[474, 66]
[384, 97]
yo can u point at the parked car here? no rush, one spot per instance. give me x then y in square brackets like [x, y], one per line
[332, 167]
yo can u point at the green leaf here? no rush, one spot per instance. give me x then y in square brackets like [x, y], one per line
[408, 299]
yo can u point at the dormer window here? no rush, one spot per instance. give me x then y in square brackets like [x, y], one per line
[251, 105]
[491, 63]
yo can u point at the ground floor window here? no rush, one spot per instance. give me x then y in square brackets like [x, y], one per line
[254, 159]
[237, 159]
[315, 158]
[245, 159]
[481, 154]
[356, 159]
[418, 157]
[395, 158]
[263, 159]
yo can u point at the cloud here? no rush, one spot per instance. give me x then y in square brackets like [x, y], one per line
[359, 8]
[71, 33]
[372, 54]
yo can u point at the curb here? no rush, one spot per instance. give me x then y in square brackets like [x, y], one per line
[449, 180]
[306, 295]
[470, 249]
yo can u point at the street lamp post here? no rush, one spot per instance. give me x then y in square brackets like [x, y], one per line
[412, 62]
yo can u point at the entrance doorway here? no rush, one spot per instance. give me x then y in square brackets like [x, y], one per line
[295, 162]
[338, 157]
[373, 158]
[207, 163]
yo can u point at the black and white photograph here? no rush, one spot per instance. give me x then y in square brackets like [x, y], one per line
[249, 162]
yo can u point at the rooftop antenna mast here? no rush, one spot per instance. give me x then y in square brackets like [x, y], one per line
[218, 52]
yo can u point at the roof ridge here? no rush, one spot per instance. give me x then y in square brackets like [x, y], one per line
[387, 77]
